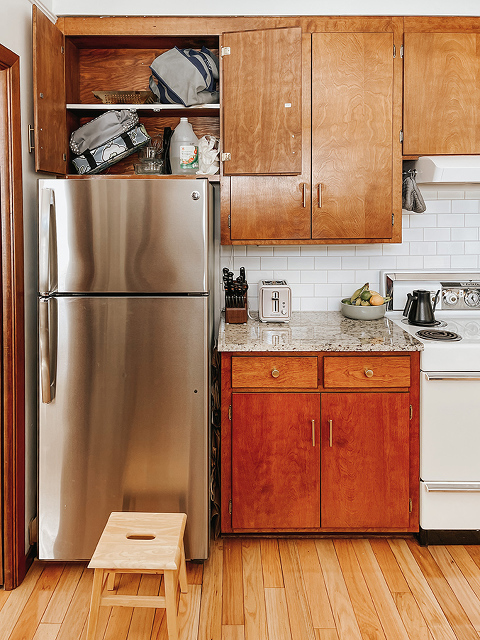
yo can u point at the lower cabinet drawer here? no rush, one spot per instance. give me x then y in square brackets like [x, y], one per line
[368, 371]
[275, 372]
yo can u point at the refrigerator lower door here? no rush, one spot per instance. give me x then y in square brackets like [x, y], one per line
[124, 417]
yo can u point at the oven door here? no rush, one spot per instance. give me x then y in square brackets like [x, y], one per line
[449, 450]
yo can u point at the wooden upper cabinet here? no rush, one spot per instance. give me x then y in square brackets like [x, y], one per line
[441, 93]
[262, 101]
[49, 95]
[352, 135]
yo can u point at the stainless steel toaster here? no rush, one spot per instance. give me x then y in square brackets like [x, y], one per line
[274, 301]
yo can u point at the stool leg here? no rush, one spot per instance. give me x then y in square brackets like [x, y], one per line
[171, 604]
[183, 572]
[111, 581]
[95, 604]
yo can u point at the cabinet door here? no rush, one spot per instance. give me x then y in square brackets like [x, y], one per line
[49, 95]
[441, 93]
[352, 135]
[275, 460]
[262, 102]
[365, 460]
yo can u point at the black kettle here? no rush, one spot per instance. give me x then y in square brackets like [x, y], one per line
[419, 309]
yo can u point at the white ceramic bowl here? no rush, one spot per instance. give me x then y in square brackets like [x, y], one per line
[363, 313]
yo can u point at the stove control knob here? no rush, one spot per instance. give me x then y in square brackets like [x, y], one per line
[450, 297]
[472, 298]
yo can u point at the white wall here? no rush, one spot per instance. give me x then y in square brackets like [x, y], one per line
[446, 236]
[267, 7]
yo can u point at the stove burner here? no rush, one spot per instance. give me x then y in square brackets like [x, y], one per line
[434, 334]
[435, 323]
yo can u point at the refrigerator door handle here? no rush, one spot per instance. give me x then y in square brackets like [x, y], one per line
[47, 199]
[44, 339]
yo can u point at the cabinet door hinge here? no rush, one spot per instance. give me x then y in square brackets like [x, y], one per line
[410, 505]
[230, 507]
[229, 221]
[62, 49]
[394, 51]
[401, 51]
[226, 156]
[411, 412]
[393, 219]
[64, 157]
[401, 135]
[230, 407]
[225, 51]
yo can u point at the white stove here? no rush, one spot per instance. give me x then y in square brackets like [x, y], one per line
[449, 399]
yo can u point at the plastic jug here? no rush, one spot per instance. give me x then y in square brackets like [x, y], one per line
[184, 149]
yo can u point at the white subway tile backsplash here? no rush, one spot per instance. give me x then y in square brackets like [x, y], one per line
[446, 236]
[302, 262]
[465, 206]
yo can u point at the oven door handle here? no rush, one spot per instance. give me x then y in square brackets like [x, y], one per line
[452, 486]
[452, 375]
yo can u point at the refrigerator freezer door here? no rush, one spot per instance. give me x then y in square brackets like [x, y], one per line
[124, 427]
[124, 236]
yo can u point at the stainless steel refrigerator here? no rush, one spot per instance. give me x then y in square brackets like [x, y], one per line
[125, 326]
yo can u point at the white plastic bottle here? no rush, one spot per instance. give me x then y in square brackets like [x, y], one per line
[184, 149]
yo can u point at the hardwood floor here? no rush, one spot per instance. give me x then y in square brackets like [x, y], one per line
[269, 589]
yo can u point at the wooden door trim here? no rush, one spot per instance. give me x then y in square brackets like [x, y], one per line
[13, 360]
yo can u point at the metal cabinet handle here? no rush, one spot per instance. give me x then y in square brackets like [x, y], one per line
[31, 144]
[368, 373]
[275, 373]
[331, 432]
[319, 195]
[313, 433]
[304, 195]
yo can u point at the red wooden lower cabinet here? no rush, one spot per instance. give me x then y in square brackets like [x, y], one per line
[275, 460]
[315, 442]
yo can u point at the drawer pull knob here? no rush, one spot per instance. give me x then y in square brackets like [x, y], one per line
[275, 373]
[368, 373]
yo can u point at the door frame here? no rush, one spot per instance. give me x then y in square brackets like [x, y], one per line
[12, 313]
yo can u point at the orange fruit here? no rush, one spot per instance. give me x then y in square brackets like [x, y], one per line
[376, 300]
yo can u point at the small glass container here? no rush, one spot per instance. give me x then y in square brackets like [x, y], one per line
[149, 167]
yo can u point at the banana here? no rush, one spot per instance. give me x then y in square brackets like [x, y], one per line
[358, 292]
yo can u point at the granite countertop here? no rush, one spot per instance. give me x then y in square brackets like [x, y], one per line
[316, 331]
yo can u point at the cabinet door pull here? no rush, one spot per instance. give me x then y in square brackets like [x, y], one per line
[275, 373]
[313, 433]
[304, 195]
[319, 195]
[368, 373]
[331, 432]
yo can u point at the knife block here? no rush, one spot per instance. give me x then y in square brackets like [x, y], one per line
[237, 315]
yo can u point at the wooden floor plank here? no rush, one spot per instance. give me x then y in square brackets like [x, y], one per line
[466, 565]
[60, 601]
[232, 582]
[321, 612]
[13, 607]
[301, 624]
[3, 597]
[159, 630]
[210, 627]
[253, 591]
[389, 566]
[422, 592]
[342, 609]
[189, 613]
[367, 619]
[271, 565]
[474, 552]
[120, 617]
[411, 616]
[278, 622]
[326, 634]
[233, 632]
[77, 612]
[459, 584]
[386, 609]
[194, 572]
[47, 631]
[34, 609]
[444, 594]
[142, 618]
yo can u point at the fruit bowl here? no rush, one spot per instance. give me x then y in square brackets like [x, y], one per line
[358, 312]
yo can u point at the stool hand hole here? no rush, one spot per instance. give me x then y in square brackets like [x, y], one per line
[140, 536]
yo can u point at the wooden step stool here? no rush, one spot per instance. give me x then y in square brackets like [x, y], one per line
[139, 543]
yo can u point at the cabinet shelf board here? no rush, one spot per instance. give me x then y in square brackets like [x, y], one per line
[212, 109]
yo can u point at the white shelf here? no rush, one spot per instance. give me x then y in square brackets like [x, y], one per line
[157, 106]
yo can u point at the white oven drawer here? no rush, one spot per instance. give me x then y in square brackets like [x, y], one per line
[450, 505]
[450, 426]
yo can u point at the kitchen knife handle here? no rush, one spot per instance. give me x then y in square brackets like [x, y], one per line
[44, 339]
[330, 422]
[47, 199]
